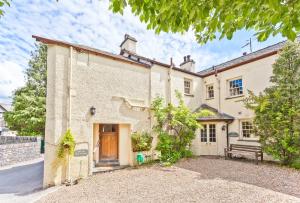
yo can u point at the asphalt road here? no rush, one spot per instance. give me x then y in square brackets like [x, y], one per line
[22, 182]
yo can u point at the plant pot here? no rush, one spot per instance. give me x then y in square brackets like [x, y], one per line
[151, 155]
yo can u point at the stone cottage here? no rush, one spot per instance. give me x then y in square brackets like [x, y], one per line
[104, 97]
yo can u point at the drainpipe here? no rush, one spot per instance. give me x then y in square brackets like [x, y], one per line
[70, 86]
[170, 81]
[227, 135]
[150, 97]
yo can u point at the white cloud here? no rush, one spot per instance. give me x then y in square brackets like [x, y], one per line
[11, 78]
[91, 23]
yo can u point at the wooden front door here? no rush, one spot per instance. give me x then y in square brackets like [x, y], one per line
[108, 147]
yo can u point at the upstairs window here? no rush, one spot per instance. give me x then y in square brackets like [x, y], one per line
[187, 86]
[210, 91]
[235, 87]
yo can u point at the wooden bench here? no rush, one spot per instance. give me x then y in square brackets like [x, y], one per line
[236, 148]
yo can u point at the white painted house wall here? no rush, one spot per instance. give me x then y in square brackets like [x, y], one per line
[78, 80]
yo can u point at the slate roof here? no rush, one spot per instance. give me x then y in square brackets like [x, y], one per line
[264, 52]
[217, 116]
[5, 107]
[88, 49]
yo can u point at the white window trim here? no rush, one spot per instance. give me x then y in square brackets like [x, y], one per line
[228, 87]
[241, 130]
[207, 132]
[191, 87]
[206, 90]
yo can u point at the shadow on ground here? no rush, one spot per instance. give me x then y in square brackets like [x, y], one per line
[22, 180]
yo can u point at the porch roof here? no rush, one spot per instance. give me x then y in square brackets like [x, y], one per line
[217, 116]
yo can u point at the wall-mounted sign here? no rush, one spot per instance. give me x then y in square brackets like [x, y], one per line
[233, 134]
[81, 152]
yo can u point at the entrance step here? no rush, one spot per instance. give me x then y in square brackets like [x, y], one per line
[107, 163]
[107, 169]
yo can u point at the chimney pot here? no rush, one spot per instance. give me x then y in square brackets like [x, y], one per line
[129, 43]
[188, 64]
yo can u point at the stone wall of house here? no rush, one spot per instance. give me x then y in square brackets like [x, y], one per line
[15, 149]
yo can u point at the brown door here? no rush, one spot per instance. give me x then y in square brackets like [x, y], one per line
[108, 141]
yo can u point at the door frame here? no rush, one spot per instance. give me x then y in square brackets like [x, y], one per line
[100, 138]
[208, 147]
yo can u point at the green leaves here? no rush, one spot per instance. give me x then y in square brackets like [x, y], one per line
[176, 127]
[66, 145]
[277, 109]
[2, 4]
[141, 141]
[209, 18]
[28, 114]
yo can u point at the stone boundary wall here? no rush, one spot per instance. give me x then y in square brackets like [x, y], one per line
[16, 149]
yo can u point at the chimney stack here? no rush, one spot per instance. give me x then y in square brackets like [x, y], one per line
[188, 64]
[129, 43]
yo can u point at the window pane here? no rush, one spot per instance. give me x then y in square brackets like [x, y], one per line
[247, 129]
[203, 133]
[210, 91]
[235, 87]
[187, 86]
[212, 133]
[109, 128]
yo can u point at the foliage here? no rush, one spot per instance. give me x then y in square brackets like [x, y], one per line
[66, 145]
[175, 127]
[211, 18]
[29, 102]
[296, 163]
[141, 141]
[2, 4]
[277, 109]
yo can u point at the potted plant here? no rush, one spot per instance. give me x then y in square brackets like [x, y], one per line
[66, 149]
[141, 146]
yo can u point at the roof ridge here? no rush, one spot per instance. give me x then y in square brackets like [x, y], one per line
[218, 66]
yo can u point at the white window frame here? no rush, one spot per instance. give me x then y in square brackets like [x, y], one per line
[207, 91]
[208, 134]
[190, 87]
[252, 136]
[229, 90]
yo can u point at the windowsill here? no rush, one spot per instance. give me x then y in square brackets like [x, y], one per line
[248, 140]
[188, 95]
[233, 97]
[209, 98]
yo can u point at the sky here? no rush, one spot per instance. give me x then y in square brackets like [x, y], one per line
[91, 23]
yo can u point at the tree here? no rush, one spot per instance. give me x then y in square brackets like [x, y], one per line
[209, 18]
[176, 127]
[277, 108]
[2, 4]
[29, 102]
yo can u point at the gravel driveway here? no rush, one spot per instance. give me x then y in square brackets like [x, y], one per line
[157, 184]
[266, 175]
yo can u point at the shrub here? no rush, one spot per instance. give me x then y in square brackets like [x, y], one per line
[176, 127]
[296, 163]
[141, 141]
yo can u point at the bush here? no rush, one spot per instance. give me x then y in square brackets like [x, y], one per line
[176, 128]
[296, 163]
[141, 141]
